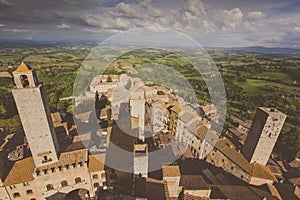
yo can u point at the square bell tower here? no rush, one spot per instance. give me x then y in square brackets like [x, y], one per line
[31, 102]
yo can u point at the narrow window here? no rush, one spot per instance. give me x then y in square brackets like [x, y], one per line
[77, 180]
[29, 192]
[95, 176]
[49, 187]
[16, 195]
[96, 185]
[64, 183]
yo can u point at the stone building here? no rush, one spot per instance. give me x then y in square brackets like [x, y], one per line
[230, 159]
[53, 170]
[171, 174]
[194, 187]
[159, 116]
[263, 135]
[104, 83]
[191, 131]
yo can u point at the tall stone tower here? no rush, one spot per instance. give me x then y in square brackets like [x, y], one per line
[140, 160]
[137, 110]
[263, 135]
[32, 106]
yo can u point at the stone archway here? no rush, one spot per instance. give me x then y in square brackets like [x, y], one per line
[78, 194]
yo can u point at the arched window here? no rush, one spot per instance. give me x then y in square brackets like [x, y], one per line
[49, 187]
[29, 192]
[24, 81]
[64, 183]
[96, 185]
[77, 180]
[95, 176]
[16, 194]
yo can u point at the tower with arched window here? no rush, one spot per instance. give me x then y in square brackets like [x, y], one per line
[30, 99]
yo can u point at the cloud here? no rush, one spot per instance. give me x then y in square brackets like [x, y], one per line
[213, 22]
[63, 26]
[15, 30]
[142, 9]
[209, 26]
[231, 18]
[2, 25]
[195, 7]
[297, 28]
[255, 15]
[5, 3]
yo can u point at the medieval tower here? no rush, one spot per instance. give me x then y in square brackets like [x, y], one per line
[137, 110]
[30, 99]
[263, 134]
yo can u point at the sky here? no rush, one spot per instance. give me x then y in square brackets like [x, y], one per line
[214, 23]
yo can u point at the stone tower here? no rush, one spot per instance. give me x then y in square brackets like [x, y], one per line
[140, 160]
[263, 134]
[137, 110]
[33, 110]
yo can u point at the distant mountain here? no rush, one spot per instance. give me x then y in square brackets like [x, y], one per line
[10, 43]
[43, 44]
[261, 49]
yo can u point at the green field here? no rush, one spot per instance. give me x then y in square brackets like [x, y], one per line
[251, 80]
[260, 87]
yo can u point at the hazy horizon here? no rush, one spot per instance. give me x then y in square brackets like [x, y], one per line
[213, 23]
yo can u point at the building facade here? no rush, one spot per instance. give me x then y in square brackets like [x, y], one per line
[48, 172]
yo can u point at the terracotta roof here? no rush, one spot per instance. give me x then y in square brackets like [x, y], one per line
[193, 182]
[295, 181]
[238, 133]
[56, 117]
[156, 189]
[163, 138]
[96, 162]
[239, 192]
[176, 109]
[253, 169]
[228, 149]
[202, 132]
[208, 108]
[187, 116]
[68, 158]
[21, 172]
[261, 171]
[23, 68]
[171, 171]
[151, 188]
[246, 123]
